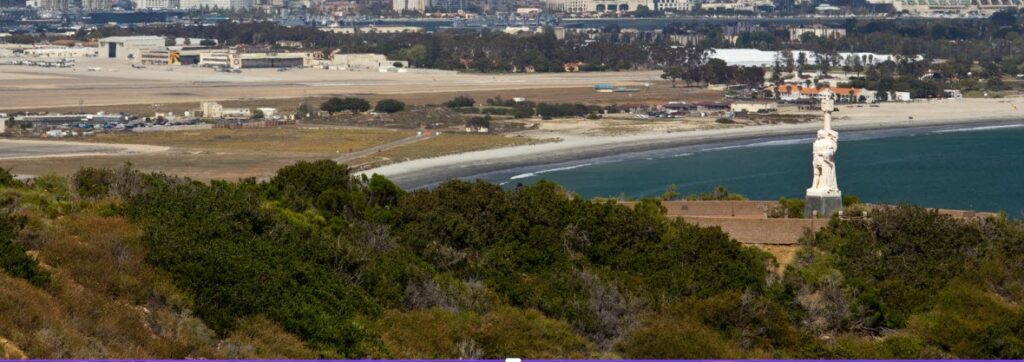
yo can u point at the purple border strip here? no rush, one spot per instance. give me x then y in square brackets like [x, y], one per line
[448, 360]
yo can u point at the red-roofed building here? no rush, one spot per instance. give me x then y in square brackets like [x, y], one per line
[789, 92]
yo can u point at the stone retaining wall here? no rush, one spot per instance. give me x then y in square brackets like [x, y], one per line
[761, 231]
[748, 223]
[744, 209]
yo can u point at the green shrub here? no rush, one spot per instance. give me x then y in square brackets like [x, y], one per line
[7, 178]
[522, 112]
[92, 183]
[389, 106]
[13, 257]
[354, 105]
[789, 208]
[460, 102]
[675, 338]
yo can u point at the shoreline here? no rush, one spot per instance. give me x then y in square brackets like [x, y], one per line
[427, 172]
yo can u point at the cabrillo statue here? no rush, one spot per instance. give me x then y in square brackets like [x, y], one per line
[823, 197]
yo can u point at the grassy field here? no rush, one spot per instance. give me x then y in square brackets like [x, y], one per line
[231, 154]
[202, 165]
[300, 139]
[445, 144]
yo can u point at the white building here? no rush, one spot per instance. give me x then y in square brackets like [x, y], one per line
[955, 7]
[744, 5]
[789, 93]
[754, 106]
[216, 110]
[60, 52]
[587, 6]
[157, 4]
[126, 47]
[235, 59]
[901, 97]
[819, 31]
[364, 62]
[373, 29]
[216, 4]
[766, 58]
[670, 5]
[410, 5]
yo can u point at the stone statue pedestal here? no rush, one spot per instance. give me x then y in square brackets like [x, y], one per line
[824, 203]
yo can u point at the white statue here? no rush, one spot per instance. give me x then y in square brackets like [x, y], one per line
[823, 161]
[828, 102]
[823, 153]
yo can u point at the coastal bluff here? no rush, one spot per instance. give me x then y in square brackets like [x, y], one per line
[748, 221]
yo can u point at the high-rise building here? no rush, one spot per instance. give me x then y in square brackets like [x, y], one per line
[219, 4]
[410, 5]
[53, 4]
[678, 5]
[157, 4]
[586, 6]
[98, 4]
[448, 6]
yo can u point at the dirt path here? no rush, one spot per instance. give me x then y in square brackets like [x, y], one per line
[387, 146]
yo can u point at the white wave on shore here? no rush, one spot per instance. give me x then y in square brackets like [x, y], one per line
[533, 174]
[980, 128]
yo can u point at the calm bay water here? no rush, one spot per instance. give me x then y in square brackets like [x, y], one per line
[972, 167]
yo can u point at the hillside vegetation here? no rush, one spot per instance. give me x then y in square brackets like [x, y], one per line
[316, 262]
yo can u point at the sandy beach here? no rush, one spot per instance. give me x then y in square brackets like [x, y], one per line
[421, 172]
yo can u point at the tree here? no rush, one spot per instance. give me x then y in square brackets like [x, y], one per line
[673, 74]
[460, 102]
[332, 105]
[671, 193]
[716, 71]
[522, 112]
[995, 84]
[258, 114]
[801, 62]
[1007, 17]
[354, 105]
[305, 110]
[389, 106]
[479, 122]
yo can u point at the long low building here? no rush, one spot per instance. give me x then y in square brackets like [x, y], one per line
[234, 59]
[170, 57]
[611, 6]
[127, 47]
[956, 7]
[364, 62]
[60, 52]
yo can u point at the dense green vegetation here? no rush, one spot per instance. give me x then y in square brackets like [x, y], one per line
[317, 262]
[389, 106]
[334, 105]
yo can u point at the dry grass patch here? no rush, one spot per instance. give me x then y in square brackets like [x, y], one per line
[200, 166]
[784, 254]
[299, 139]
[445, 144]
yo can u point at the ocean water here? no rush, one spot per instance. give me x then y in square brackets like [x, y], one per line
[967, 167]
